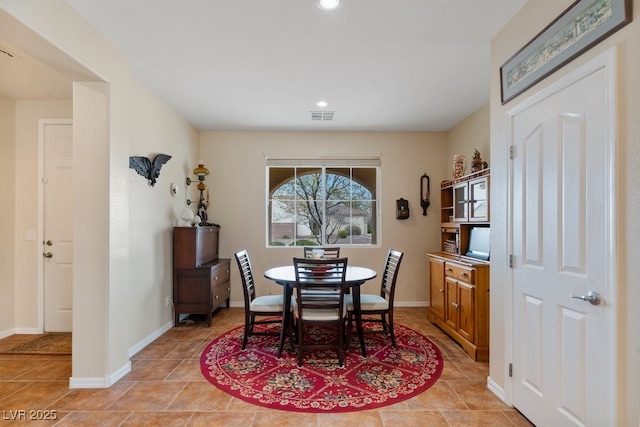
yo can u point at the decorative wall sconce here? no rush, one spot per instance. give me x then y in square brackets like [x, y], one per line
[201, 172]
[402, 208]
[424, 193]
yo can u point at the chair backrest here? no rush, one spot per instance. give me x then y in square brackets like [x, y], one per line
[315, 277]
[320, 252]
[248, 285]
[390, 275]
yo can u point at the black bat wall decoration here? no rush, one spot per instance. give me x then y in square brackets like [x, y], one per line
[149, 170]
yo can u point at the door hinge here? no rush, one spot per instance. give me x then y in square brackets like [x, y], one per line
[44, 180]
[510, 370]
[511, 152]
[510, 261]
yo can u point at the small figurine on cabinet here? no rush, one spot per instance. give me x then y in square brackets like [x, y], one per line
[459, 166]
[476, 163]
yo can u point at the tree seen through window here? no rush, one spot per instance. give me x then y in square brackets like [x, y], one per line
[322, 206]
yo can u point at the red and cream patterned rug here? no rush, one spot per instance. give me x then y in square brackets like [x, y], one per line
[386, 376]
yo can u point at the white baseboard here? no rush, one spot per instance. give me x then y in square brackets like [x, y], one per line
[100, 382]
[27, 331]
[106, 382]
[7, 333]
[496, 389]
[396, 304]
[150, 338]
[411, 303]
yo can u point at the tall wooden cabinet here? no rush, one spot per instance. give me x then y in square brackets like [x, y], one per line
[459, 285]
[200, 279]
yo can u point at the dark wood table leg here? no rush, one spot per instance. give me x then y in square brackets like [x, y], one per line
[356, 307]
[286, 313]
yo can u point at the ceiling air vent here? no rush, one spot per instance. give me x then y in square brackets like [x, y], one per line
[322, 116]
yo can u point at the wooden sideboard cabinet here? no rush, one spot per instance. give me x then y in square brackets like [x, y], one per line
[459, 301]
[200, 279]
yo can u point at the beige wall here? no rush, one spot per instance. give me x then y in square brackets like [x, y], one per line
[470, 134]
[534, 16]
[7, 216]
[238, 194]
[120, 277]
[153, 210]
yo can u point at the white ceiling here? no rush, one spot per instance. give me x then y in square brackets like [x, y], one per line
[401, 65]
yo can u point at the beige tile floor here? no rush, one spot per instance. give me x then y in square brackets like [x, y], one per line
[165, 388]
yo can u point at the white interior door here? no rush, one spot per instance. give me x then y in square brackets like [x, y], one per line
[57, 245]
[563, 348]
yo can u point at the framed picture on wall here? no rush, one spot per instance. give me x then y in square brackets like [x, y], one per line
[583, 25]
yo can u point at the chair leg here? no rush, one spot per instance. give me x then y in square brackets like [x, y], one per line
[391, 332]
[383, 319]
[340, 344]
[292, 335]
[300, 340]
[248, 321]
[349, 330]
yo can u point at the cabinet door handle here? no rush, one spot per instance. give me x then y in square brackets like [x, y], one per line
[449, 270]
[441, 291]
[455, 304]
[464, 275]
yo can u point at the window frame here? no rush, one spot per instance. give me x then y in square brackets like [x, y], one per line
[324, 164]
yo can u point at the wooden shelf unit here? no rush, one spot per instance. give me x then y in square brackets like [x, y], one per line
[464, 204]
[459, 285]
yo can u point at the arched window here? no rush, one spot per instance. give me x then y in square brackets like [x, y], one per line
[322, 205]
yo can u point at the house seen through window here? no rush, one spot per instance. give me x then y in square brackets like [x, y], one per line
[322, 205]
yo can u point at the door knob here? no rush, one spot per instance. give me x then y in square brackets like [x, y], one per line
[47, 255]
[592, 297]
[48, 243]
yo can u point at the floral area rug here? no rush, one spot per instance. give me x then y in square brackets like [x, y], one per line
[386, 376]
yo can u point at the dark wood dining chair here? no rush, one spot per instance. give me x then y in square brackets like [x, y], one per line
[270, 306]
[325, 252]
[382, 304]
[314, 306]
[329, 252]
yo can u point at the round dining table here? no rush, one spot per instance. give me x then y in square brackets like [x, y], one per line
[285, 276]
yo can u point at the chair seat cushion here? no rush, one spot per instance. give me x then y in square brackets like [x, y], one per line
[318, 314]
[368, 302]
[267, 303]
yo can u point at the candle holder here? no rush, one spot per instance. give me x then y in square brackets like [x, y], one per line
[424, 193]
[201, 172]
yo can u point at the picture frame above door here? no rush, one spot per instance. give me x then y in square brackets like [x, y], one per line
[580, 27]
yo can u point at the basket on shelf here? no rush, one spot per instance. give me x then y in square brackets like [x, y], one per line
[450, 246]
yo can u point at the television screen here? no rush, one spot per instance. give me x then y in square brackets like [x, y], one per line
[479, 243]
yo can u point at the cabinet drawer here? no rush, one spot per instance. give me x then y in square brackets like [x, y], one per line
[220, 293]
[219, 274]
[460, 272]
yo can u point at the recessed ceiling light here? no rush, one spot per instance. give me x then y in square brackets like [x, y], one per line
[322, 103]
[328, 4]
